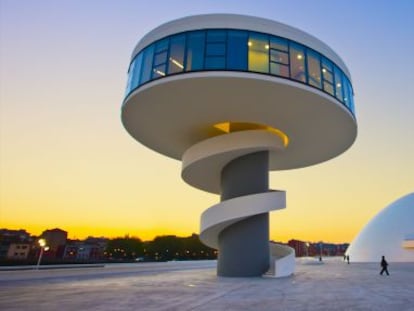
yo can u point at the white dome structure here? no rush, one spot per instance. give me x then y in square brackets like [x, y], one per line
[390, 233]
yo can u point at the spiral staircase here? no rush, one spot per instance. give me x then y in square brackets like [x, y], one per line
[244, 209]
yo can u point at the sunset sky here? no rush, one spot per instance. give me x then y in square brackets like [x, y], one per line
[66, 161]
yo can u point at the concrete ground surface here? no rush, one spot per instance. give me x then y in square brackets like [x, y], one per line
[333, 285]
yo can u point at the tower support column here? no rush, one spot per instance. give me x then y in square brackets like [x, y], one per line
[244, 246]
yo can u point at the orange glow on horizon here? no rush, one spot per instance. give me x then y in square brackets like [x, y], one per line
[82, 232]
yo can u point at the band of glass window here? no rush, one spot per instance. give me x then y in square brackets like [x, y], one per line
[239, 50]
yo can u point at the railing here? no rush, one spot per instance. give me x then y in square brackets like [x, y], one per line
[282, 260]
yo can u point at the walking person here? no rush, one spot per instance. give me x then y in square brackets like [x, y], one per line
[384, 265]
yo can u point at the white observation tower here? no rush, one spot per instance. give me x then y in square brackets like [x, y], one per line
[233, 97]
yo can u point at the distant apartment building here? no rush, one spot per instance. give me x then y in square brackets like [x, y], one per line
[299, 247]
[56, 241]
[303, 248]
[88, 250]
[329, 249]
[18, 251]
[11, 243]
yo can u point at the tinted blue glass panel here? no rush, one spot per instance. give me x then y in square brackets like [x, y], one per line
[216, 35]
[347, 93]
[327, 76]
[338, 84]
[349, 102]
[314, 69]
[135, 72]
[297, 62]
[237, 50]
[159, 71]
[327, 71]
[160, 58]
[128, 87]
[147, 64]
[176, 58]
[195, 51]
[215, 63]
[215, 49]
[130, 75]
[161, 45]
[352, 106]
[279, 57]
[327, 87]
[258, 52]
[279, 44]
[279, 70]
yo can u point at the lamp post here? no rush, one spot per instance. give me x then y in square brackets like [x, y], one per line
[307, 249]
[320, 251]
[43, 247]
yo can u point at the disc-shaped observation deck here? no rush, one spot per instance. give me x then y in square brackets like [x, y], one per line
[214, 89]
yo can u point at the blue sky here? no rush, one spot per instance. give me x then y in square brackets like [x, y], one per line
[66, 161]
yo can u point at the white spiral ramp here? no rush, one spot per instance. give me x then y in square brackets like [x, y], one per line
[203, 165]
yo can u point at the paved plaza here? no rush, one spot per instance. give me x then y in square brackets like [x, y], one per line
[333, 285]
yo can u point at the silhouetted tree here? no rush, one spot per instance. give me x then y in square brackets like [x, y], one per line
[170, 247]
[125, 248]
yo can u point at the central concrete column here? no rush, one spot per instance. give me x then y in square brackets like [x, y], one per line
[244, 246]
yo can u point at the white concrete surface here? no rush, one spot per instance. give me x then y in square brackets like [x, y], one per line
[333, 285]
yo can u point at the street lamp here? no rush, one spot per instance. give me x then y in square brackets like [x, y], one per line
[320, 251]
[43, 247]
[307, 249]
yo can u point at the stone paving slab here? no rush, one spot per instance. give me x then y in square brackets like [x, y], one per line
[333, 285]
